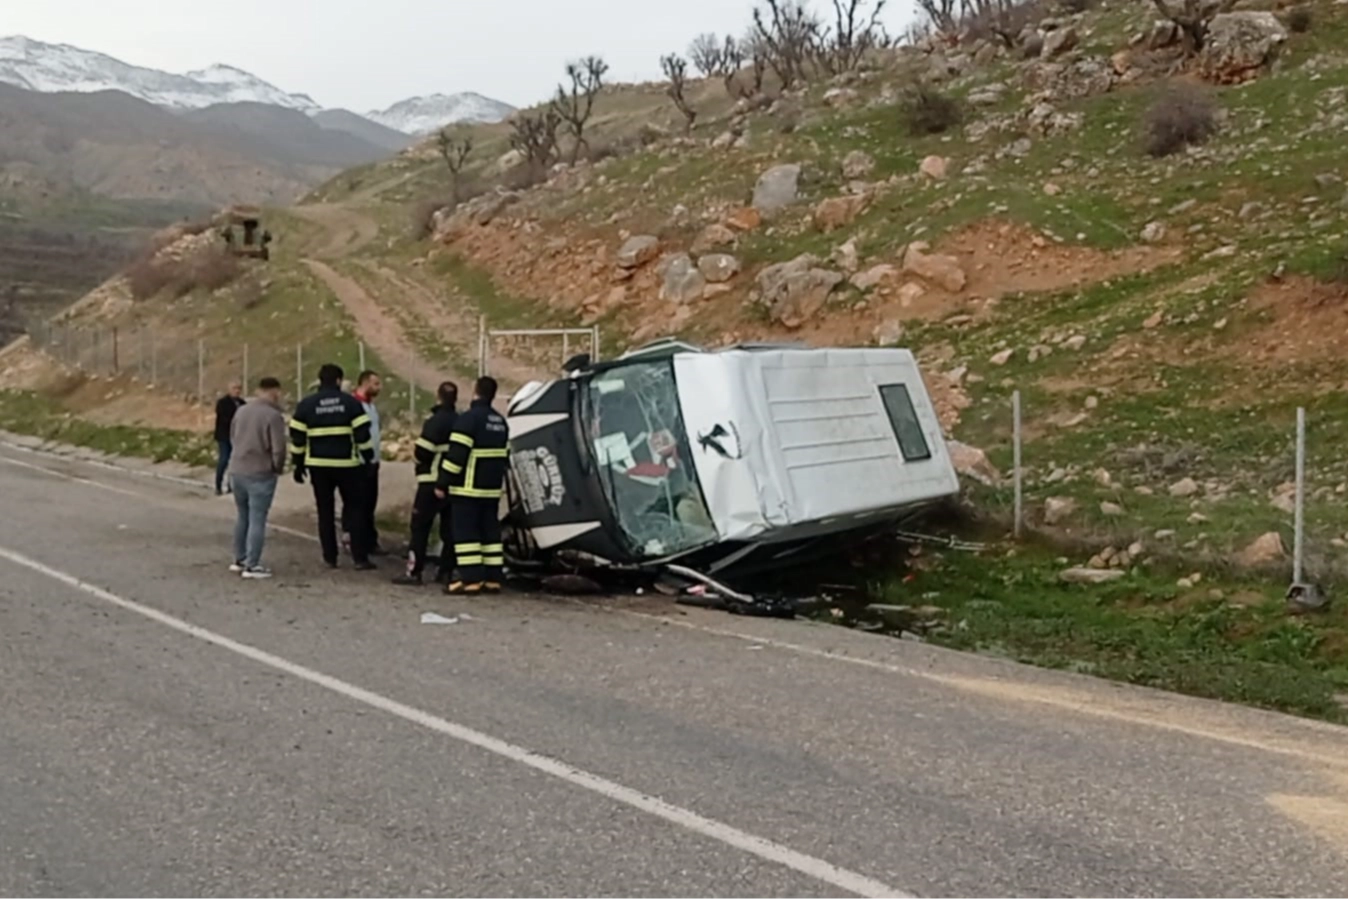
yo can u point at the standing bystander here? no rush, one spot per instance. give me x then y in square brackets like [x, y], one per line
[225, 408]
[258, 436]
[368, 387]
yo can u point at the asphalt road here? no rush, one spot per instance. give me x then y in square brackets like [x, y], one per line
[168, 729]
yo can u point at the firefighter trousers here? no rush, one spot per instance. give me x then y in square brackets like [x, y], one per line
[477, 539]
[426, 508]
[327, 483]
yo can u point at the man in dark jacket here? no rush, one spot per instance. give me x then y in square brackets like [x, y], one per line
[225, 408]
[473, 476]
[430, 452]
[330, 442]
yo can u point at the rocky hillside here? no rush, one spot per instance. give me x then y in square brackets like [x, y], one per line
[1143, 233]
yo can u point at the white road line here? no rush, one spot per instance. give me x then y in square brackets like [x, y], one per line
[99, 463]
[1083, 709]
[71, 477]
[279, 528]
[823, 871]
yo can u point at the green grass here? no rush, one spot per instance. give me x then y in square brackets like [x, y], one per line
[502, 309]
[38, 416]
[1236, 644]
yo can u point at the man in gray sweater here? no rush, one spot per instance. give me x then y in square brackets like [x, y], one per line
[260, 444]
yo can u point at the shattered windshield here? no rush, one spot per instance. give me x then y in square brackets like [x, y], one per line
[641, 452]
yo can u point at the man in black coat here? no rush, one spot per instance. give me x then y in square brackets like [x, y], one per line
[225, 408]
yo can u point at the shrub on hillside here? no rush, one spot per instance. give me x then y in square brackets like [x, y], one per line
[145, 278]
[1300, 20]
[926, 110]
[207, 270]
[1182, 115]
[523, 177]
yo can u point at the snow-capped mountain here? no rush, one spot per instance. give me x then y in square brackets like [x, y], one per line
[49, 68]
[54, 68]
[422, 115]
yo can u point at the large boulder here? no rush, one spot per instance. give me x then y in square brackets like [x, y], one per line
[794, 292]
[937, 270]
[1059, 41]
[718, 267]
[873, 277]
[888, 333]
[777, 188]
[1240, 44]
[934, 167]
[972, 462]
[857, 165]
[1265, 550]
[1076, 80]
[638, 250]
[683, 283]
[1058, 509]
[511, 159]
[1091, 576]
[839, 212]
[713, 237]
[746, 218]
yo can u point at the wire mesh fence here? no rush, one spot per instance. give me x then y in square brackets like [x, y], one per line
[200, 370]
[1210, 500]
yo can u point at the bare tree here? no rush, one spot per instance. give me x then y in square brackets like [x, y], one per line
[708, 55]
[757, 55]
[675, 68]
[454, 150]
[535, 138]
[853, 35]
[789, 34]
[1003, 19]
[940, 13]
[575, 105]
[1193, 18]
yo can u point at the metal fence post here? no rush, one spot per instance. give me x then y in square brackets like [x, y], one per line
[594, 345]
[412, 401]
[201, 372]
[481, 345]
[360, 352]
[1015, 463]
[1299, 523]
[566, 348]
[299, 371]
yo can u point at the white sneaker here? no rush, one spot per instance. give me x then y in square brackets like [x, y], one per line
[236, 567]
[257, 574]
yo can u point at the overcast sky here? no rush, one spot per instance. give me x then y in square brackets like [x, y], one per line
[367, 54]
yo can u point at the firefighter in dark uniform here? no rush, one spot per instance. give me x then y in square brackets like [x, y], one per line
[330, 441]
[429, 454]
[472, 475]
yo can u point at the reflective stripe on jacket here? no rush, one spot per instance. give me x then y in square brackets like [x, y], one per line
[474, 466]
[330, 429]
[433, 443]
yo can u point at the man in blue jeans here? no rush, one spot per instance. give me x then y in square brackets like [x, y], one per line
[260, 443]
[225, 408]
